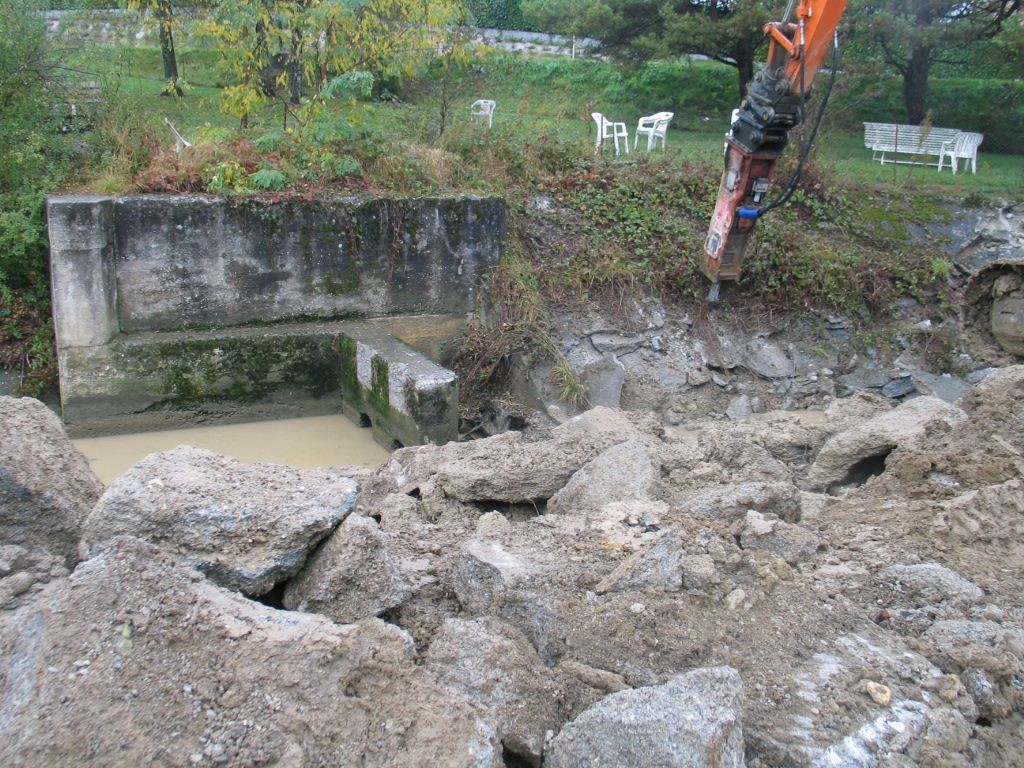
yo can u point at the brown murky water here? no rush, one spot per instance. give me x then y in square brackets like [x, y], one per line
[318, 441]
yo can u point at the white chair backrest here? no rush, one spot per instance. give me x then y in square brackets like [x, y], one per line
[967, 144]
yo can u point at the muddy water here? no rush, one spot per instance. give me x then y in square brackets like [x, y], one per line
[319, 441]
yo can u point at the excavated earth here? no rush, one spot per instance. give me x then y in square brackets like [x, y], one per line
[838, 586]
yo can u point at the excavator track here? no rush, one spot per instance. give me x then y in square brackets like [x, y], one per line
[992, 313]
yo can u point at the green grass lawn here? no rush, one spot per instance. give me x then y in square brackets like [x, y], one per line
[535, 98]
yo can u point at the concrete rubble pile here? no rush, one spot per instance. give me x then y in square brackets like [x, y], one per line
[828, 588]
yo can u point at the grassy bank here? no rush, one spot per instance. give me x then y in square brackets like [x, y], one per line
[584, 227]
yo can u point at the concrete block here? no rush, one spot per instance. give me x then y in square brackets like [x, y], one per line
[407, 399]
[83, 281]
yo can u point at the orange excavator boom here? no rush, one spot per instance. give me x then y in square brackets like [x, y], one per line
[773, 106]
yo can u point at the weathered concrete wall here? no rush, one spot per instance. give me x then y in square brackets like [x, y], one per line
[201, 261]
[182, 306]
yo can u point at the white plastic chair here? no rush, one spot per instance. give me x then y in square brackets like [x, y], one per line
[606, 129]
[654, 127]
[482, 108]
[965, 147]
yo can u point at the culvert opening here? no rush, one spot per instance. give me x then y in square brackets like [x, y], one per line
[862, 471]
[396, 444]
[364, 421]
[515, 511]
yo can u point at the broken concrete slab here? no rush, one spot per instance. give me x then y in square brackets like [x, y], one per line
[138, 659]
[46, 486]
[246, 526]
[692, 721]
[351, 577]
[878, 437]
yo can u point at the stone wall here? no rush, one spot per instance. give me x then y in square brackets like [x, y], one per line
[173, 306]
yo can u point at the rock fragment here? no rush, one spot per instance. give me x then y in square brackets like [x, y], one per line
[841, 456]
[246, 526]
[351, 577]
[793, 543]
[927, 583]
[731, 502]
[489, 579]
[139, 660]
[493, 665]
[692, 721]
[625, 472]
[46, 486]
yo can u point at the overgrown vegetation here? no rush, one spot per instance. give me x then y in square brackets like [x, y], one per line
[383, 120]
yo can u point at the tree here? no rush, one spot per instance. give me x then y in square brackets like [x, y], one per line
[913, 35]
[729, 31]
[163, 12]
[271, 47]
[30, 82]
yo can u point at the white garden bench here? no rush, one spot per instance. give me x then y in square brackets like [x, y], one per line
[920, 144]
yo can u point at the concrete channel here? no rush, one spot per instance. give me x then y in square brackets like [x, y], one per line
[175, 309]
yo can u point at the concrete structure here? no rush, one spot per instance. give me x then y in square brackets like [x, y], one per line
[405, 398]
[169, 309]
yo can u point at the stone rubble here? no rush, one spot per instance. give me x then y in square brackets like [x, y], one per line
[609, 592]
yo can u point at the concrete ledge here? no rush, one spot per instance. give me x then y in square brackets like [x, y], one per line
[162, 380]
[407, 399]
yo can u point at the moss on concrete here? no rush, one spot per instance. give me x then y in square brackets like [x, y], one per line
[378, 394]
[189, 373]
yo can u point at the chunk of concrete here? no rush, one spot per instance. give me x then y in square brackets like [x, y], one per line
[659, 567]
[692, 721]
[246, 526]
[46, 485]
[927, 583]
[731, 502]
[997, 648]
[793, 543]
[489, 579]
[351, 577]
[902, 426]
[137, 656]
[625, 472]
[493, 664]
[407, 398]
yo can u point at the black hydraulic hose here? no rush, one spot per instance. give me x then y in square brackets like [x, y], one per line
[805, 148]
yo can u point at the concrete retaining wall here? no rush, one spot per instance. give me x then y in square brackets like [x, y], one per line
[149, 292]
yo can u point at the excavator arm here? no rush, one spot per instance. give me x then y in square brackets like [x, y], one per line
[773, 106]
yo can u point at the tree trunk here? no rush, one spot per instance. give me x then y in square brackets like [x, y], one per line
[295, 68]
[915, 84]
[167, 52]
[745, 68]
